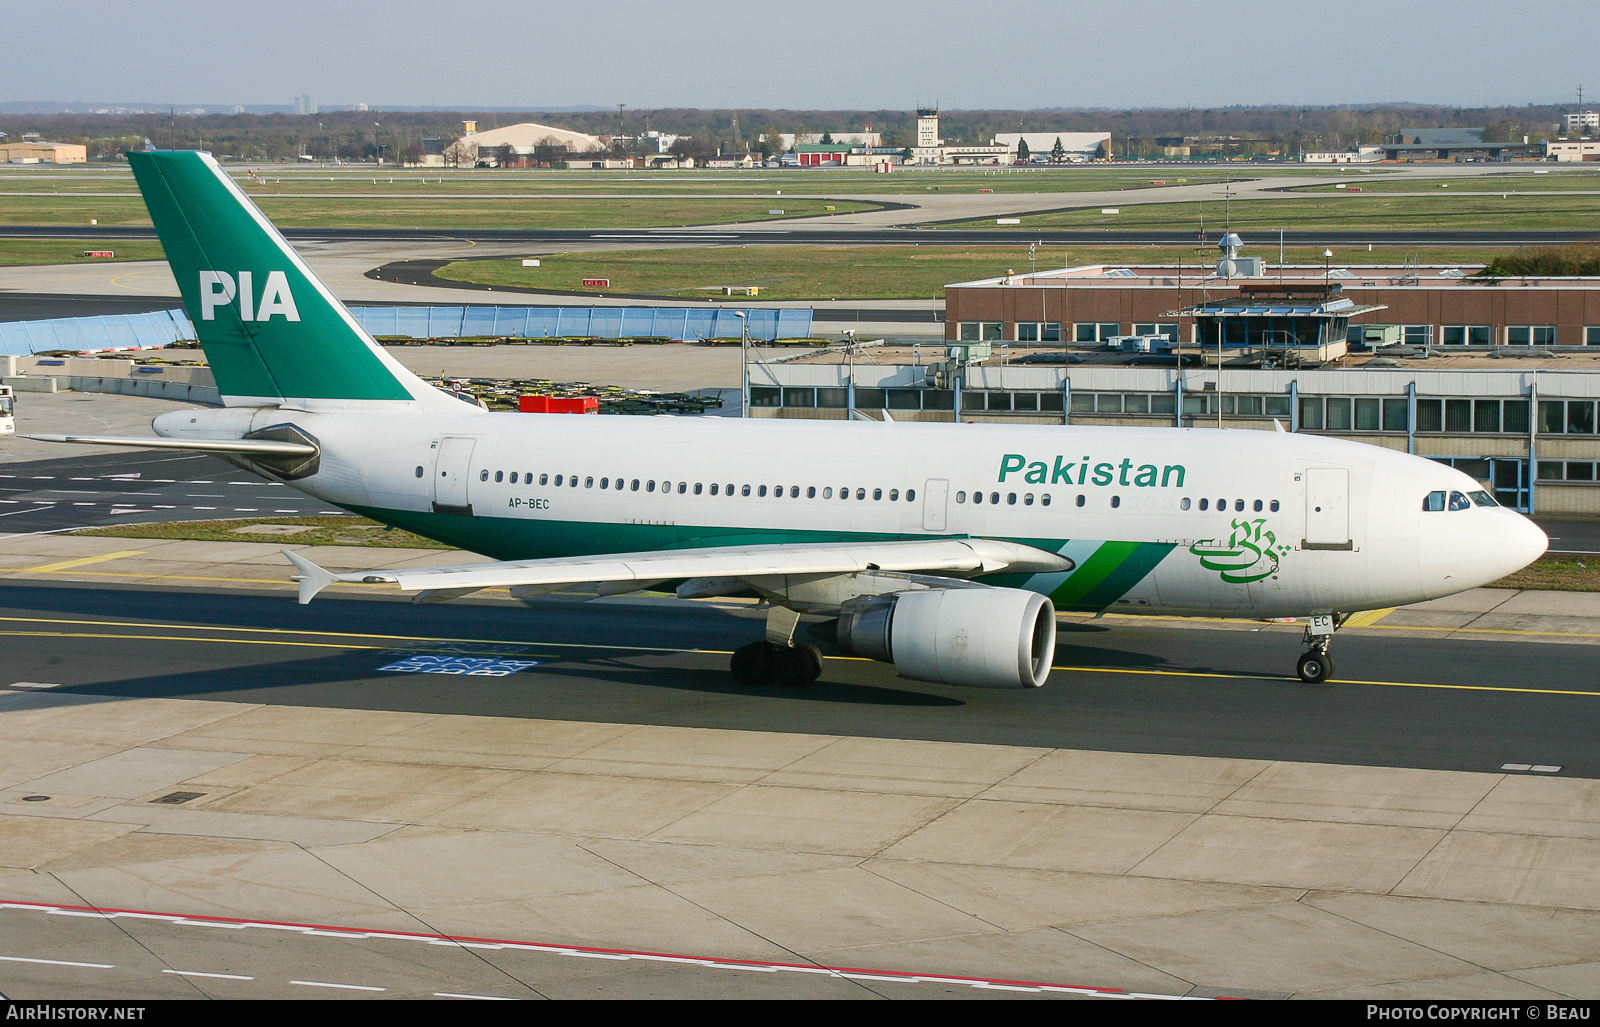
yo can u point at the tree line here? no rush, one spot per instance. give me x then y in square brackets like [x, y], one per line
[369, 135]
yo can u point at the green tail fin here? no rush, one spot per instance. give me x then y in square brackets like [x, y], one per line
[272, 331]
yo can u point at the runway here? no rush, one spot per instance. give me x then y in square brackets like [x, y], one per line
[1127, 685]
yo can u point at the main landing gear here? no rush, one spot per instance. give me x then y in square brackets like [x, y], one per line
[1315, 665]
[777, 657]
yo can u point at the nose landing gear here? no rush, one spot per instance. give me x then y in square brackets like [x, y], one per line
[1315, 665]
[777, 657]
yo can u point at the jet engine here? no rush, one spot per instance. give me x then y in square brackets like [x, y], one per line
[983, 637]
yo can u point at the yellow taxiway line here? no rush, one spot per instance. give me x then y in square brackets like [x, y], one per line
[370, 646]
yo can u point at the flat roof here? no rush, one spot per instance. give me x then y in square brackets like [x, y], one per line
[1366, 276]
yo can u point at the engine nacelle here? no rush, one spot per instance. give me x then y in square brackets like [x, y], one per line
[984, 637]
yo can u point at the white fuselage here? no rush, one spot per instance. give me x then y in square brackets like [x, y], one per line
[1240, 522]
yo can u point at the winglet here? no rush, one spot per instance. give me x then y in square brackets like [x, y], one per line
[313, 579]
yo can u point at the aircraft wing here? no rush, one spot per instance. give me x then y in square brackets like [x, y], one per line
[956, 557]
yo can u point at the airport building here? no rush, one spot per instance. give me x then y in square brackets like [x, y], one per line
[1420, 305]
[43, 153]
[1005, 146]
[1529, 431]
[1498, 378]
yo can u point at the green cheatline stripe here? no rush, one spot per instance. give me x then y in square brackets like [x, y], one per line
[1107, 575]
[1094, 570]
[1130, 573]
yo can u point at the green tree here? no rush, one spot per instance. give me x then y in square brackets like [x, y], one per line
[1058, 153]
[1022, 149]
[827, 139]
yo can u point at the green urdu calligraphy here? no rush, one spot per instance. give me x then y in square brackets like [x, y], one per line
[1250, 554]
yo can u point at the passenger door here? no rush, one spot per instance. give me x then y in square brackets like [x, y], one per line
[452, 470]
[1327, 508]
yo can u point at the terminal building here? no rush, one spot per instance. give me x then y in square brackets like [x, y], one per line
[1500, 379]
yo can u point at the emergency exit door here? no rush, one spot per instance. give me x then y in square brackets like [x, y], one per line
[935, 494]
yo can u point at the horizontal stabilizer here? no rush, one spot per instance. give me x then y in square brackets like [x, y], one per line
[243, 447]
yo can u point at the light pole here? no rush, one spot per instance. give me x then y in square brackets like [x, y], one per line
[744, 362]
[850, 379]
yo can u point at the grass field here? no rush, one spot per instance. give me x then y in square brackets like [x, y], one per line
[1556, 574]
[438, 213]
[850, 272]
[319, 531]
[1342, 210]
[70, 251]
[1555, 181]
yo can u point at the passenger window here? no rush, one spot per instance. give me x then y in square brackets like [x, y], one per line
[513, 477]
[811, 492]
[877, 494]
[499, 476]
[827, 493]
[1274, 505]
[961, 497]
[1483, 499]
[977, 497]
[650, 486]
[1183, 504]
[1046, 499]
[1238, 505]
[1116, 501]
[544, 479]
[419, 470]
[573, 481]
[1080, 500]
[483, 475]
[697, 488]
[745, 491]
[713, 488]
[894, 495]
[1433, 503]
[1027, 500]
[1258, 506]
[911, 495]
[861, 493]
[683, 487]
[1011, 499]
[1205, 504]
[1459, 502]
[633, 486]
[588, 483]
[994, 497]
[762, 491]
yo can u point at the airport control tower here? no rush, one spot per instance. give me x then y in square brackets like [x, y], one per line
[929, 146]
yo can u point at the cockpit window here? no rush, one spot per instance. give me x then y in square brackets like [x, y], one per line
[1459, 502]
[1483, 499]
[1434, 502]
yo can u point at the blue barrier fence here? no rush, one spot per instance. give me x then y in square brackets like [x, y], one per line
[110, 331]
[682, 323]
[164, 327]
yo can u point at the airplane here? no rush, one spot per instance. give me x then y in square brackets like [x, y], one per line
[945, 550]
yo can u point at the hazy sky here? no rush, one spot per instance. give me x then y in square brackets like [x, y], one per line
[807, 55]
